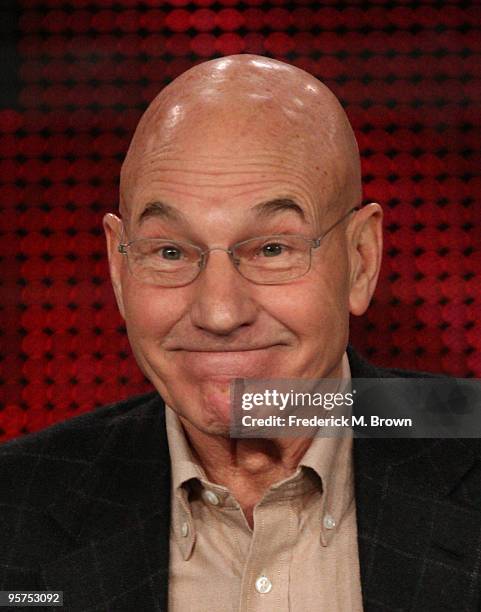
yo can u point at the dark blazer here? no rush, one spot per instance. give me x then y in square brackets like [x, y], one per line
[85, 508]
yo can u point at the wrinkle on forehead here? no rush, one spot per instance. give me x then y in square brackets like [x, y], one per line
[221, 105]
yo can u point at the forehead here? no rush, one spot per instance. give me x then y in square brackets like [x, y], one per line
[257, 189]
[240, 164]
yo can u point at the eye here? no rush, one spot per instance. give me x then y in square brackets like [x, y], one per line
[273, 249]
[171, 253]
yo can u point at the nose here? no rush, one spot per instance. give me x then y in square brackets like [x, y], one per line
[223, 300]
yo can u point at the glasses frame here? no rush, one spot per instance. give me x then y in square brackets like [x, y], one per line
[314, 243]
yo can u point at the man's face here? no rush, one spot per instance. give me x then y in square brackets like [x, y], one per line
[192, 341]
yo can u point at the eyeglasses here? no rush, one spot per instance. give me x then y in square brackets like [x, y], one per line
[264, 260]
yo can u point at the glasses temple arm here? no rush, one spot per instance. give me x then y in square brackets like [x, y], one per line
[356, 208]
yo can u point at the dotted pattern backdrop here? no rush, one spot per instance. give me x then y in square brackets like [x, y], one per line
[408, 76]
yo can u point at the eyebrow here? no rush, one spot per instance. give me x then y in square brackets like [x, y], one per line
[263, 209]
[271, 207]
[162, 210]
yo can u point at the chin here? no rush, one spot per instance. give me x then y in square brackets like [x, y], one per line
[207, 408]
[210, 422]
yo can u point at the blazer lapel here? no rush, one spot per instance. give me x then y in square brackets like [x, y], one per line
[419, 520]
[116, 517]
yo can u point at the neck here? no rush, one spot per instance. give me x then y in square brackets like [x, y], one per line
[254, 459]
[247, 467]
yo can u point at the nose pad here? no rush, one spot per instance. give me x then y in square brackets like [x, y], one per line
[205, 257]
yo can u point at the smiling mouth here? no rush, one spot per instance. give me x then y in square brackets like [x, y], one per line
[226, 363]
[228, 350]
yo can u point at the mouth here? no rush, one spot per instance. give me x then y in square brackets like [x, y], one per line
[238, 362]
[218, 350]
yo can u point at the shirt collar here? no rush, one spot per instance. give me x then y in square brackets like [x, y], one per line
[184, 467]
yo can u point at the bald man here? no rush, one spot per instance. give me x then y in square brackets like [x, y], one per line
[240, 250]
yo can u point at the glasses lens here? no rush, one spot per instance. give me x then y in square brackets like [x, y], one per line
[273, 259]
[163, 262]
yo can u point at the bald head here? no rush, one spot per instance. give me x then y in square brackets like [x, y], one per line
[217, 108]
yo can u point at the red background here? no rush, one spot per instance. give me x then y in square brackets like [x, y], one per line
[408, 76]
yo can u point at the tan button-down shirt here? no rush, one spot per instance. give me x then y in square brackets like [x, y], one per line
[301, 554]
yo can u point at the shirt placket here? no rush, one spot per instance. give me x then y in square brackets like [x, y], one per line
[265, 581]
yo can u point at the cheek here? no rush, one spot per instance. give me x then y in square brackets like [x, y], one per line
[316, 307]
[150, 313]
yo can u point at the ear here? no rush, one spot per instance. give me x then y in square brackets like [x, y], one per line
[113, 231]
[365, 256]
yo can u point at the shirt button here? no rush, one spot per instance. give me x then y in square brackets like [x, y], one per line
[263, 584]
[329, 522]
[211, 497]
[184, 530]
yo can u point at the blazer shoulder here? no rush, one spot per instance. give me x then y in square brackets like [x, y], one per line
[401, 373]
[87, 424]
[33, 465]
[362, 368]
